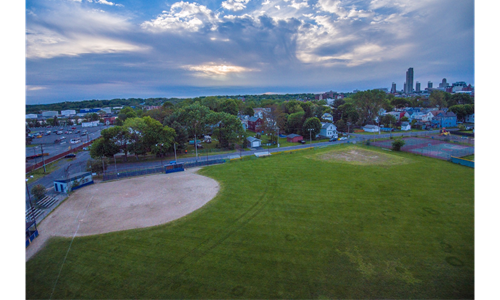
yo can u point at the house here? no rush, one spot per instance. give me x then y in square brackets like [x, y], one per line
[254, 124]
[109, 120]
[294, 138]
[327, 116]
[469, 118]
[405, 126]
[73, 182]
[371, 128]
[396, 114]
[68, 112]
[328, 130]
[444, 119]
[31, 116]
[253, 142]
[260, 111]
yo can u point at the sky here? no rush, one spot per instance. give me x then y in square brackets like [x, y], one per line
[100, 49]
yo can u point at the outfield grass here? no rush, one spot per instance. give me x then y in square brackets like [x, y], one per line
[289, 226]
[469, 157]
[38, 173]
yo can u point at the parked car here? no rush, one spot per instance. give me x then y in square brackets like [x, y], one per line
[73, 128]
[302, 142]
[75, 141]
[78, 131]
[70, 132]
[48, 132]
[63, 138]
[342, 138]
[333, 139]
[83, 134]
[57, 141]
[71, 155]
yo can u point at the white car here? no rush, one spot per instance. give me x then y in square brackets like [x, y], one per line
[75, 141]
[342, 138]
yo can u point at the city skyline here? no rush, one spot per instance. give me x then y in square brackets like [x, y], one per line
[94, 49]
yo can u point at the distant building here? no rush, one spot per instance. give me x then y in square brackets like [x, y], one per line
[409, 81]
[31, 116]
[89, 110]
[444, 84]
[393, 88]
[417, 89]
[68, 112]
[107, 110]
[383, 90]
[49, 114]
[429, 85]
[404, 87]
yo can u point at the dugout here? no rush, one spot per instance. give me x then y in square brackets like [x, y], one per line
[73, 182]
[174, 167]
[31, 232]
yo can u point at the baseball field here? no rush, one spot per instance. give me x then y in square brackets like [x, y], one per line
[338, 222]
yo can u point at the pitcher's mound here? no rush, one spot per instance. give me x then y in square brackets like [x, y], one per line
[126, 204]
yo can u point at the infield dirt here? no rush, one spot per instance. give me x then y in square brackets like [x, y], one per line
[126, 204]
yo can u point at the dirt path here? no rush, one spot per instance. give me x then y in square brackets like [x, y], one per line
[126, 204]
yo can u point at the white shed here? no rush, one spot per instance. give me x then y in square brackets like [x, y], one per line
[73, 182]
[254, 142]
[405, 126]
[371, 128]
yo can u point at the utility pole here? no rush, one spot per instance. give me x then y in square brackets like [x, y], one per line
[278, 137]
[115, 162]
[195, 145]
[43, 159]
[175, 153]
[310, 138]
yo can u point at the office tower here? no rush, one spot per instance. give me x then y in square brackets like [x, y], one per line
[443, 84]
[429, 85]
[404, 88]
[418, 87]
[409, 81]
[393, 88]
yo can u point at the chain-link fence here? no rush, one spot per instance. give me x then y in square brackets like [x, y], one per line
[436, 146]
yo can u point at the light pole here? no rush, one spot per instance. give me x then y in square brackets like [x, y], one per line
[278, 137]
[175, 153]
[43, 159]
[310, 138]
[195, 145]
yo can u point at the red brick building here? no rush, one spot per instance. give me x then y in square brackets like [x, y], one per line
[254, 124]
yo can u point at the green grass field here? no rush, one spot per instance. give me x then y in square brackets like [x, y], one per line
[301, 225]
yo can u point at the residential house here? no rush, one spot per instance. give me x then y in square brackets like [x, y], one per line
[444, 119]
[371, 128]
[328, 130]
[255, 124]
[260, 111]
[469, 118]
[327, 116]
[294, 138]
[405, 126]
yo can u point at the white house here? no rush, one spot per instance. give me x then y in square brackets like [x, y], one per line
[260, 111]
[328, 129]
[405, 126]
[31, 116]
[371, 128]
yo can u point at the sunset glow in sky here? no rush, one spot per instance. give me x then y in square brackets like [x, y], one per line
[99, 49]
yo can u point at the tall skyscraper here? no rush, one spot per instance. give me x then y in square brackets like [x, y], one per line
[444, 84]
[429, 85]
[404, 88]
[409, 81]
[418, 87]
[393, 88]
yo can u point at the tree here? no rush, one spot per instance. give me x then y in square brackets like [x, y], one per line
[98, 165]
[397, 144]
[437, 99]
[118, 136]
[137, 131]
[400, 103]
[460, 98]
[404, 119]
[55, 122]
[341, 125]
[248, 111]
[181, 135]
[38, 191]
[312, 126]
[459, 110]
[102, 147]
[368, 105]
[294, 122]
[469, 109]
[229, 128]
[157, 138]
[229, 106]
[387, 120]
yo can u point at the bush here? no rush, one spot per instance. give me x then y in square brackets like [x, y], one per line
[397, 144]
[38, 191]
[461, 128]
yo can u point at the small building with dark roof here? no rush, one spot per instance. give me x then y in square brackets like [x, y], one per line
[294, 138]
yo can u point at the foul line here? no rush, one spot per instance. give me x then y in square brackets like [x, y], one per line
[64, 260]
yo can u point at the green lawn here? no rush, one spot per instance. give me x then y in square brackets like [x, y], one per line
[49, 168]
[289, 226]
[469, 157]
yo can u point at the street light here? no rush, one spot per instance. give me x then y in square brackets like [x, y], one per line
[310, 138]
[161, 153]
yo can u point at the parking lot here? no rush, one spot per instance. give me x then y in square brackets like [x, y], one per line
[52, 147]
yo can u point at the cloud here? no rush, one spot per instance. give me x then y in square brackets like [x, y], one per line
[298, 5]
[277, 7]
[235, 5]
[265, 2]
[35, 88]
[104, 2]
[183, 16]
[72, 31]
[213, 69]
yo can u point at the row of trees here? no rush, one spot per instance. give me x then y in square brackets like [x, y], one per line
[141, 135]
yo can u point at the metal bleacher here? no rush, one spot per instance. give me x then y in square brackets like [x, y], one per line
[46, 202]
[33, 213]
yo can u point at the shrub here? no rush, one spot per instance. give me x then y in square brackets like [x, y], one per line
[397, 144]
[38, 191]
